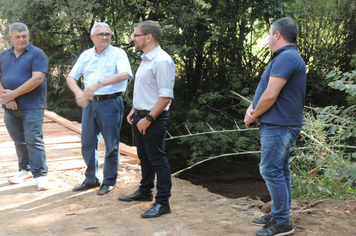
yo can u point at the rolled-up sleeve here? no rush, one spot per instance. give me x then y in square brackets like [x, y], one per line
[165, 77]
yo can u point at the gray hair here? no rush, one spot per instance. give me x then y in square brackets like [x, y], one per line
[100, 24]
[150, 27]
[19, 27]
[287, 27]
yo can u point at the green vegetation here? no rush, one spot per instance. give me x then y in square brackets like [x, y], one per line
[323, 165]
[334, 157]
[218, 47]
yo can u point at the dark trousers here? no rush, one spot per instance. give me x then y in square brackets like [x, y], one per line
[153, 157]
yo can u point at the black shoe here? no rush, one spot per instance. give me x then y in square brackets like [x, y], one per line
[263, 220]
[136, 196]
[105, 189]
[85, 186]
[271, 229]
[156, 211]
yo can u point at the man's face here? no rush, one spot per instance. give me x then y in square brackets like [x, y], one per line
[139, 38]
[99, 38]
[20, 40]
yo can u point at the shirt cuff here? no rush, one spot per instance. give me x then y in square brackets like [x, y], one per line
[166, 92]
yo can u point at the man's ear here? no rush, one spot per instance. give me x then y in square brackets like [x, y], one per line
[149, 38]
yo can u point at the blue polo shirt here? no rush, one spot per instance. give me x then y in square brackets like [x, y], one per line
[16, 71]
[288, 108]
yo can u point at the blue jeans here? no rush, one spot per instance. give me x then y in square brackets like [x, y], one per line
[25, 127]
[153, 157]
[102, 118]
[274, 167]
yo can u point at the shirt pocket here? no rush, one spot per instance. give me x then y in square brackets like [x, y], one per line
[109, 69]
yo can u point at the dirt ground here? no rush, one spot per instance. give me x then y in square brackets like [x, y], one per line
[195, 210]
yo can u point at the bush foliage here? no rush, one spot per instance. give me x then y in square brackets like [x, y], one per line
[218, 47]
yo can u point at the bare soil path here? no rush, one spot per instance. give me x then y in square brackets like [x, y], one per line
[24, 211]
[195, 211]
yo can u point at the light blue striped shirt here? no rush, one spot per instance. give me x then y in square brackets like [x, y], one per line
[94, 67]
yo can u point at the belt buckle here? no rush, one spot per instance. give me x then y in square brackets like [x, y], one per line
[95, 98]
[142, 112]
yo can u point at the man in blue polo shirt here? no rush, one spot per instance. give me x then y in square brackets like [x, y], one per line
[105, 70]
[278, 109]
[23, 89]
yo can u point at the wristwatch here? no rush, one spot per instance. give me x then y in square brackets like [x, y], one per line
[100, 84]
[149, 118]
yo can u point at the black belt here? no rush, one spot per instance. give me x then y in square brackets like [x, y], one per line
[97, 98]
[141, 112]
[144, 112]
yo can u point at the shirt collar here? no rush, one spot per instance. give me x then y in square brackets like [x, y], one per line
[12, 48]
[105, 52]
[278, 51]
[152, 53]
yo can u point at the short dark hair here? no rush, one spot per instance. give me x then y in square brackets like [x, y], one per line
[18, 26]
[287, 27]
[150, 27]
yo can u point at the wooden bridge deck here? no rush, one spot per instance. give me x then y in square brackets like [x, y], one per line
[62, 143]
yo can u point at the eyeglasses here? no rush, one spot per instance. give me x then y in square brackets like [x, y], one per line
[107, 35]
[137, 35]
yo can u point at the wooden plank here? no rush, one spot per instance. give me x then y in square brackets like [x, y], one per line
[128, 150]
[124, 149]
[62, 137]
[61, 140]
[63, 121]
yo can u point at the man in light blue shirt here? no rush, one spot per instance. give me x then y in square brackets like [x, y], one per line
[105, 70]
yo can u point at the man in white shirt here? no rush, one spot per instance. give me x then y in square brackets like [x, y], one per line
[105, 70]
[149, 117]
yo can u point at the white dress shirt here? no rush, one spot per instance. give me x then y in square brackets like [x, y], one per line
[154, 78]
[94, 67]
